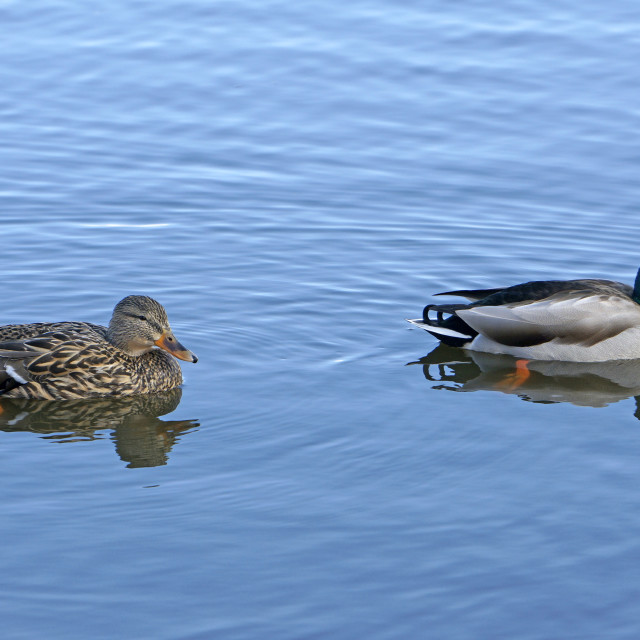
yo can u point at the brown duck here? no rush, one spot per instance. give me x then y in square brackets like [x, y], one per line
[71, 360]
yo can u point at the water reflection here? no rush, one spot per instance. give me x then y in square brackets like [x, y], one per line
[141, 438]
[593, 384]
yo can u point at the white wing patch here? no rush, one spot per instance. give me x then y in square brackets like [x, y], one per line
[14, 374]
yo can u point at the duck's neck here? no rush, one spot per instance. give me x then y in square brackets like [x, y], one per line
[636, 288]
[124, 343]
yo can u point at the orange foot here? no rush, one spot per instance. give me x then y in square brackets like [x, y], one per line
[517, 378]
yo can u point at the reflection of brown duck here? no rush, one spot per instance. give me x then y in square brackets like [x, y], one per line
[142, 439]
[74, 360]
[594, 384]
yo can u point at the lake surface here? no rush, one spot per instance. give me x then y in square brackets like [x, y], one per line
[292, 181]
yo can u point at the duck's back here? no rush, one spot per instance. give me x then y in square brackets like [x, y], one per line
[25, 331]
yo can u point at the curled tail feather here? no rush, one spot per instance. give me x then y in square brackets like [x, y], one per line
[451, 329]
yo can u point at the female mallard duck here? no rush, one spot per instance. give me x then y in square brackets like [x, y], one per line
[70, 360]
[570, 320]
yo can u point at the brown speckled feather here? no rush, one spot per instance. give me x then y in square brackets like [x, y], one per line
[73, 360]
[22, 331]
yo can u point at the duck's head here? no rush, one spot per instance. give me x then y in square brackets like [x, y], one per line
[636, 288]
[139, 323]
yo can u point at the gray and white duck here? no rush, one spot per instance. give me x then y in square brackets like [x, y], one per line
[590, 320]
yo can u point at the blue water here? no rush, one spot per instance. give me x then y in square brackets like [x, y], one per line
[291, 181]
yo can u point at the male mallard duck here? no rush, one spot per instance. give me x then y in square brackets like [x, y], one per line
[570, 320]
[69, 360]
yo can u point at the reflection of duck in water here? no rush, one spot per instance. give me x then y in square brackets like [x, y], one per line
[69, 360]
[141, 438]
[594, 384]
[569, 320]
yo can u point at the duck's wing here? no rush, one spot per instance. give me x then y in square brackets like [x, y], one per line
[542, 289]
[572, 317]
[55, 354]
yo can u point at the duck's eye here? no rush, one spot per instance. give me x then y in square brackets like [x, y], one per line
[142, 317]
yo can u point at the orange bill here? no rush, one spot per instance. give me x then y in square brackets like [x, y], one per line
[170, 344]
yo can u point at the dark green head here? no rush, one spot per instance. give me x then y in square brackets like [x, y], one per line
[636, 288]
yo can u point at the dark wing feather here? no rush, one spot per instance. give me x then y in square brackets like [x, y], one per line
[471, 294]
[539, 290]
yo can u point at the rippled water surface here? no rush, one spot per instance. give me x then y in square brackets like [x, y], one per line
[292, 181]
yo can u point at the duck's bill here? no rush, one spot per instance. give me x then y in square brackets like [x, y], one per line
[170, 344]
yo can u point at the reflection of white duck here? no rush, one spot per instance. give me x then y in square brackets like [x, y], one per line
[594, 384]
[570, 320]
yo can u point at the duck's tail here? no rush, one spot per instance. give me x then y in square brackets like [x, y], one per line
[13, 357]
[450, 330]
